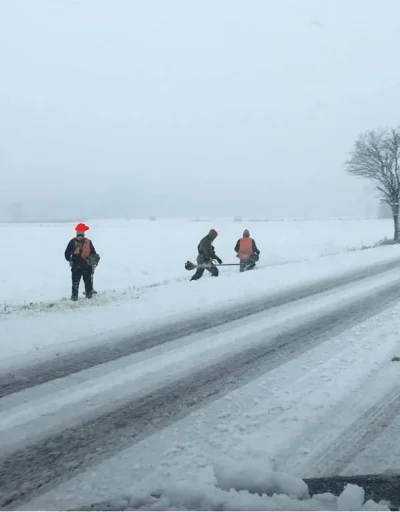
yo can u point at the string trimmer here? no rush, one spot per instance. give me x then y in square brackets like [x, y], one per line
[191, 266]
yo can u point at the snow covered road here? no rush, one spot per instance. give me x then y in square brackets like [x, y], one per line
[68, 427]
[33, 374]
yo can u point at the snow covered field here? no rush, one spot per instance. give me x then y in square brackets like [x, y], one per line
[141, 253]
[303, 386]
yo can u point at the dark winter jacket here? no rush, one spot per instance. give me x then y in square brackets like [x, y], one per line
[206, 248]
[255, 248]
[76, 260]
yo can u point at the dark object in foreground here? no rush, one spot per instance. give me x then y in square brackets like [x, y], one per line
[376, 487]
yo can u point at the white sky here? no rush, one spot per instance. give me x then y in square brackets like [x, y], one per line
[184, 107]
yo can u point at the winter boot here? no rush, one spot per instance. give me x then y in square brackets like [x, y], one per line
[93, 292]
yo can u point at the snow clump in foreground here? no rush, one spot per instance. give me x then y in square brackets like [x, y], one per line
[244, 487]
[206, 497]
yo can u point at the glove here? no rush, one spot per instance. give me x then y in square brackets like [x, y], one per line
[219, 260]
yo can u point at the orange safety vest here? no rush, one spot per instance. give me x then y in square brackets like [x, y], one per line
[82, 248]
[245, 248]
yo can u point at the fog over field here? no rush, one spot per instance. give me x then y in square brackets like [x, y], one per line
[181, 109]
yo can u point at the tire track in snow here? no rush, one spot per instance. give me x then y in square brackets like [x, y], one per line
[46, 371]
[357, 436]
[36, 468]
[311, 449]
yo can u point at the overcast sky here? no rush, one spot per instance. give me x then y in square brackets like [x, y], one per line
[186, 108]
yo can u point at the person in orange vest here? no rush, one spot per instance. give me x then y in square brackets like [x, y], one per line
[247, 251]
[79, 253]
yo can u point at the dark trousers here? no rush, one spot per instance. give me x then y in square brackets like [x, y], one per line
[246, 265]
[86, 274]
[200, 271]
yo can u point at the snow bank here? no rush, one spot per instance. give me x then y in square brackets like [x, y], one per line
[238, 485]
[207, 497]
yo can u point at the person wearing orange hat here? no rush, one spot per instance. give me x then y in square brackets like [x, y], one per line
[81, 255]
[206, 256]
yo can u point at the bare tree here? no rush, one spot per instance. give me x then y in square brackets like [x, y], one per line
[384, 211]
[376, 156]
